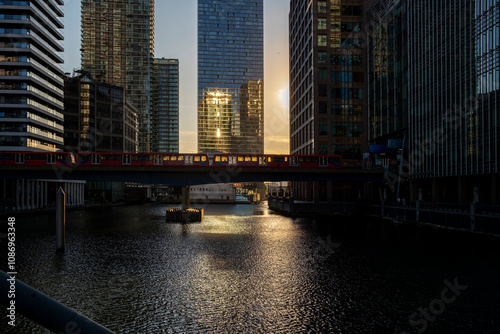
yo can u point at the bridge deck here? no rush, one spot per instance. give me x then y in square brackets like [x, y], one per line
[184, 176]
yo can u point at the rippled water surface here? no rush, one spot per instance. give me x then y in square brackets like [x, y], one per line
[244, 269]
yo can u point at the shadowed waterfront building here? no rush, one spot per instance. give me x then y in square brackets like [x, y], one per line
[433, 83]
[386, 23]
[165, 98]
[326, 86]
[118, 48]
[98, 118]
[454, 99]
[230, 76]
[31, 75]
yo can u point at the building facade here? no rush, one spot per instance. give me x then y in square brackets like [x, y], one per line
[118, 49]
[31, 75]
[326, 86]
[98, 118]
[454, 84]
[387, 112]
[230, 76]
[165, 98]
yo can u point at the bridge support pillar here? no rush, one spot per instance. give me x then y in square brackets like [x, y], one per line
[185, 198]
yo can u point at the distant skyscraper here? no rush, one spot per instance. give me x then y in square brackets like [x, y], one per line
[31, 75]
[118, 48]
[165, 98]
[230, 76]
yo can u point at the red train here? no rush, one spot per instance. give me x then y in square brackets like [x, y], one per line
[170, 160]
[276, 161]
[142, 159]
[37, 158]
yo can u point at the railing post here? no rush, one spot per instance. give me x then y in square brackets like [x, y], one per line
[60, 220]
[417, 213]
[473, 209]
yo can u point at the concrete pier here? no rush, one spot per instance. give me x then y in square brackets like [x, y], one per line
[184, 216]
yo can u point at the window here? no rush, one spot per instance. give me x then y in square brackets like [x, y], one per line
[321, 23]
[322, 90]
[323, 148]
[323, 107]
[322, 74]
[323, 128]
[322, 40]
[321, 6]
[322, 57]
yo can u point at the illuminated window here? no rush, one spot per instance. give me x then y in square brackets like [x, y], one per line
[322, 40]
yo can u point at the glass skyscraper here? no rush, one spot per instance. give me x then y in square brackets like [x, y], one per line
[31, 75]
[454, 98]
[118, 48]
[230, 76]
[165, 98]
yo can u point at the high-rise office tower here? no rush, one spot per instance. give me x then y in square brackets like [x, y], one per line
[326, 79]
[31, 75]
[118, 48]
[454, 98]
[165, 98]
[230, 76]
[326, 84]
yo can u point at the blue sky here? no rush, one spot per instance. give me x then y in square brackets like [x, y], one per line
[175, 37]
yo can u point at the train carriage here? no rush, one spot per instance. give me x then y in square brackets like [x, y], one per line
[142, 159]
[277, 161]
[37, 159]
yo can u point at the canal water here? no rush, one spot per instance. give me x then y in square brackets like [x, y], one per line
[246, 270]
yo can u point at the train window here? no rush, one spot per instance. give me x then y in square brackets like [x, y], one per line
[268, 159]
[180, 158]
[95, 159]
[301, 159]
[135, 157]
[240, 158]
[166, 158]
[203, 158]
[51, 158]
[248, 158]
[286, 159]
[217, 158]
[254, 159]
[224, 159]
[197, 158]
[126, 159]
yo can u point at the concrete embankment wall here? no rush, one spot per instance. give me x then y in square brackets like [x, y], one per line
[472, 218]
